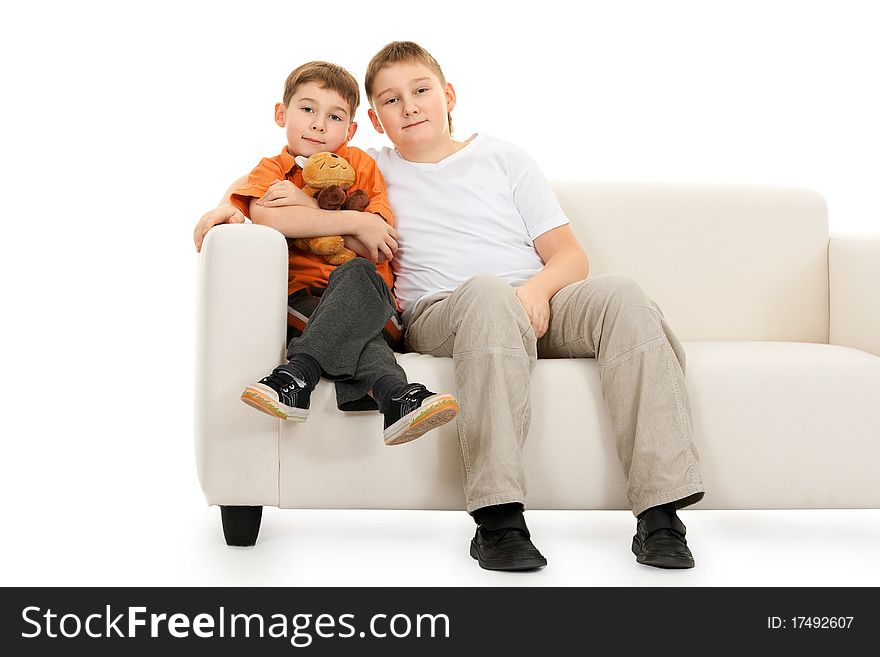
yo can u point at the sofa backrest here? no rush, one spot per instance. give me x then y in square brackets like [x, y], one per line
[723, 262]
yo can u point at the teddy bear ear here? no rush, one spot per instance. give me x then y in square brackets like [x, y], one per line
[301, 161]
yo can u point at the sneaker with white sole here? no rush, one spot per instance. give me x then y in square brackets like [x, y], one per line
[415, 411]
[280, 395]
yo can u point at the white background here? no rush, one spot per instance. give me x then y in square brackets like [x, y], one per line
[124, 122]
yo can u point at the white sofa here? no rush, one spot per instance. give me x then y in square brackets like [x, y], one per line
[780, 321]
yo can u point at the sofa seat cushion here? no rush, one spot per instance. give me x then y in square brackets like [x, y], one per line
[810, 413]
[778, 425]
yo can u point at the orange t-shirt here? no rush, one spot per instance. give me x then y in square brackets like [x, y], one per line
[307, 269]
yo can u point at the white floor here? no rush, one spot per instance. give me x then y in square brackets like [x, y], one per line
[139, 547]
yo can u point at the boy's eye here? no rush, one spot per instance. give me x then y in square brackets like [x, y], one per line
[388, 101]
[421, 90]
[335, 117]
[307, 109]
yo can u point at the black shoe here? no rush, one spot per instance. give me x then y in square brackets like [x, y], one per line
[659, 539]
[415, 411]
[280, 395]
[506, 549]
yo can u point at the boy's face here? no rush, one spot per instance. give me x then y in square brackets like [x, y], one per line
[411, 106]
[317, 119]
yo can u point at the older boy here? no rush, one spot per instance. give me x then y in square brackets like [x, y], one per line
[339, 317]
[537, 305]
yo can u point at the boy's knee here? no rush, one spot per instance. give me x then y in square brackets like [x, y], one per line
[352, 265]
[622, 291]
[486, 289]
[636, 317]
[490, 314]
[488, 296]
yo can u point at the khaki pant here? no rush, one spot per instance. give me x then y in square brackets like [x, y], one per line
[483, 327]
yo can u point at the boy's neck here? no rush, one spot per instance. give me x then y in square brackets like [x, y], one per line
[433, 154]
[331, 150]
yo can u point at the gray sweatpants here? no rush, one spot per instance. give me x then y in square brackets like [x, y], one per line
[344, 333]
[486, 331]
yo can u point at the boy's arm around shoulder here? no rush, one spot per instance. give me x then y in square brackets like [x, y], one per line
[224, 213]
[234, 206]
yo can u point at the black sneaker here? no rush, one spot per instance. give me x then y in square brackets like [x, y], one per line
[416, 411]
[280, 395]
[508, 549]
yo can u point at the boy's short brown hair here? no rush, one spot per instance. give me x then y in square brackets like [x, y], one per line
[401, 51]
[329, 76]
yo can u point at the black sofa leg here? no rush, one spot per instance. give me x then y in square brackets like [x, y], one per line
[241, 524]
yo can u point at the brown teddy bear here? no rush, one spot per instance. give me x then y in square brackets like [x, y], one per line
[328, 177]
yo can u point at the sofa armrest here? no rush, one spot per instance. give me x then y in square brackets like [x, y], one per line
[854, 281]
[240, 336]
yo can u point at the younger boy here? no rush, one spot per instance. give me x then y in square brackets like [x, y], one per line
[341, 319]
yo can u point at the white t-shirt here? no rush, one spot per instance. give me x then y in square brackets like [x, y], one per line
[477, 211]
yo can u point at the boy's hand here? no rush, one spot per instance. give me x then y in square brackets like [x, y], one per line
[376, 236]
[222, 214]
[537, 307]
[358, 247]
[283, 193]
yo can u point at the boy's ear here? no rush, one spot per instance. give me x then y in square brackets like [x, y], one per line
[374, 119]
[352, 128]
[280, 114]
[450, 97]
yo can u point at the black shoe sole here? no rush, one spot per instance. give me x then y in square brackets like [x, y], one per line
[665, 561]
[515, 565]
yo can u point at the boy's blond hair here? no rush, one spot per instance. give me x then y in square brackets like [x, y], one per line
[329, 76]
[395, 53]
